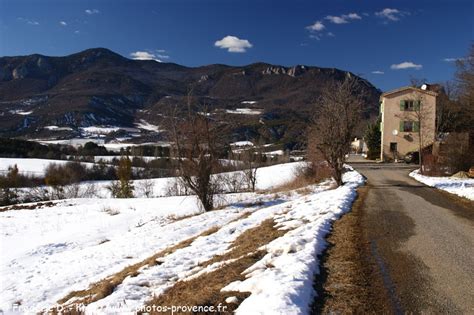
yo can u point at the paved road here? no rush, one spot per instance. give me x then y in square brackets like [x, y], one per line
[422, 241]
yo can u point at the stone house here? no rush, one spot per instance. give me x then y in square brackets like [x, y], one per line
[408, 119]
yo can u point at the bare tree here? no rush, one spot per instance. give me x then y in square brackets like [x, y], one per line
[197, 145]
[465, 83]
[337, 115]
[251, 163]
[421, 121]
[447, 109]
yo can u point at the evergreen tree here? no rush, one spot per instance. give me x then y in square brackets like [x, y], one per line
[373, 139]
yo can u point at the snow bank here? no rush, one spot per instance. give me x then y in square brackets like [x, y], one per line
[458, 186]
[287, 286]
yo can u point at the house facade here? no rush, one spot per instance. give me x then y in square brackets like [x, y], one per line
[408, 119]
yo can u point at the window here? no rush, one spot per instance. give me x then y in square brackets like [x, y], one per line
[409, 105]
[409, 126]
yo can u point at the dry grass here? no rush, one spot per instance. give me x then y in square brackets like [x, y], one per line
[205, 290]
[305, 176]
[105, 287]
[249, 242]
[33, 206]
[110, 211]
[348, 282]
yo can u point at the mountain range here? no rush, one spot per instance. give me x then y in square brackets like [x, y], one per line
[57, 97]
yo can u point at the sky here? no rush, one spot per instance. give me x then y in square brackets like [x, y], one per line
[386, 42]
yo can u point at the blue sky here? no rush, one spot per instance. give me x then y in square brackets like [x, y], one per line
[386, 42]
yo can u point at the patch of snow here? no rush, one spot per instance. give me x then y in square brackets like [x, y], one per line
[241, 144]
[244, 111]
[232, 299]
[21, 112]
[143, 124]
[274, 153]
[57, 128]
[463, 187]
[249, 102]
[100, 130]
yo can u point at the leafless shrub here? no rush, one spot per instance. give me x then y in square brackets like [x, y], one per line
[90, 190]
[176, 188]
[230, 182]
[145, 188]
[37, 193]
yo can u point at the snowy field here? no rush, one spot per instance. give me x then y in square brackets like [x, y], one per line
[51, 251]
[35, 167]
[115, 146]
[458, 186]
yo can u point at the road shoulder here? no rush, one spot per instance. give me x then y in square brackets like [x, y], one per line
[349, 279]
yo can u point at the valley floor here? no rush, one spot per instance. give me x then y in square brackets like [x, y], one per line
[258, 252]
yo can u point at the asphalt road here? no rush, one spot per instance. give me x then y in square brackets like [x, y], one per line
[422, 241]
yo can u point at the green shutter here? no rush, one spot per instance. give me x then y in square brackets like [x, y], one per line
[417, 105]
[416, 126]
[402, 105]
[401, 125]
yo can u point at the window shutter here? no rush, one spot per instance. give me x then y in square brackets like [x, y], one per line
[417, 105]
[416, 126]
[402, 105]
[401, 125]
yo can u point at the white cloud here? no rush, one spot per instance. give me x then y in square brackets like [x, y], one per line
[336, 19]
[406, 65]
[92, 11]
[377, 72]
[330, 34]
[63, 23]
[354, 16]
[233, 44]
[28, 21]
[316, 27]
[390, 14]
[343, 19]
[314, 36]
[145, 55]
[453, 59]
[77, 32]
